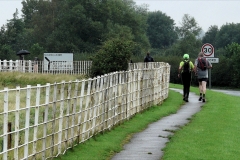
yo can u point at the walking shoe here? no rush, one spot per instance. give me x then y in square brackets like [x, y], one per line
[203, 100]
[186, 100]
[200, 98]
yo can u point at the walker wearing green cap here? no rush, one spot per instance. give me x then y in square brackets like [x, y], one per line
[185, 56]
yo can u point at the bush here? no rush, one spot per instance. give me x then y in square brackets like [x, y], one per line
[114, 55]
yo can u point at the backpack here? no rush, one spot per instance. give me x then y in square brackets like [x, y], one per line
[186, 67]
[202, 64]
[149, 59]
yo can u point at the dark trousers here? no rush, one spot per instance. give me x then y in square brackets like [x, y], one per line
[186, 81]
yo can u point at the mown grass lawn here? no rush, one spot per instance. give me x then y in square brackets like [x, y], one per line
[212, 134]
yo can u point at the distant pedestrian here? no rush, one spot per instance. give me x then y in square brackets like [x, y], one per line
[148, 58]
[185, 72]
[201, 67]
[21, 57]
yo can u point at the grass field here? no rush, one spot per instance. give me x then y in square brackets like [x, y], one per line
[213, 133]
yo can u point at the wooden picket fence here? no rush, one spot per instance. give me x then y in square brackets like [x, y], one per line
[58, 67]
[43, 121]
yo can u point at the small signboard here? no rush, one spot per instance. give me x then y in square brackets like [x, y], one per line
[213, 60]
[58, 61]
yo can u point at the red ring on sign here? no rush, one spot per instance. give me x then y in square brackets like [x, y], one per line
[212, 48]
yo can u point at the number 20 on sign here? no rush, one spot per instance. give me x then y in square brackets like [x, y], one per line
[208, 50]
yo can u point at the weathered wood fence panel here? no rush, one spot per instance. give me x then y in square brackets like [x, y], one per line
[43, 121]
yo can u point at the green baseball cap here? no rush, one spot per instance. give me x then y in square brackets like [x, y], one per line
[185, 56]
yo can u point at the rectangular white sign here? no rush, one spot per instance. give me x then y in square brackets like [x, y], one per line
[58, 61]
[213, 60]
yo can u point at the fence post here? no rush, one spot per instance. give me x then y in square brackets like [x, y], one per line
[61, 117]
[35, 132]
[54, 105]
[5, 126]
[74, 105]
[30, 66]
[10, 65]
[17, 115]
[80, 110]
[45, 120]
[27, 119]
[86, 114]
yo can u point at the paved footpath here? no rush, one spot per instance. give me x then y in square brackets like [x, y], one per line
[230, 92]
[148, 144]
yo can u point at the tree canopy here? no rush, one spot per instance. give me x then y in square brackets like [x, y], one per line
[75, 25]
[160, 31]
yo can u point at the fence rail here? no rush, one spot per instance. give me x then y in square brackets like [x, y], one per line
[58, 67]
[43, 121]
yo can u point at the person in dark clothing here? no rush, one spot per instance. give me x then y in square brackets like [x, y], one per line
[21, 57]
[185, 71]
[148, 58]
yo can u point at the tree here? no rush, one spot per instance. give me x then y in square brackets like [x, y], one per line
[211, 35]
[188, 38]
[82, 26]
[38, 16]
[36, 50]
[228, 34]
[233, 54]
[188, 26]
[13, 37]
[160, 30]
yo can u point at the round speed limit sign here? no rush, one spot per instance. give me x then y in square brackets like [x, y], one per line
[208, 50]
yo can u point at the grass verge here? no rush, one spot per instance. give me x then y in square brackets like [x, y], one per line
[212, 134]
[104, 146]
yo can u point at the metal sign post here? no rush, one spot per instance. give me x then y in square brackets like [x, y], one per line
[210, 79]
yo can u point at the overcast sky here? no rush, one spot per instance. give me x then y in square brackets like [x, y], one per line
[205, 12]
[8, 8]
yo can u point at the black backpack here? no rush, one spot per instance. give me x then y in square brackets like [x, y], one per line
[202, 64]
[186, 67]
